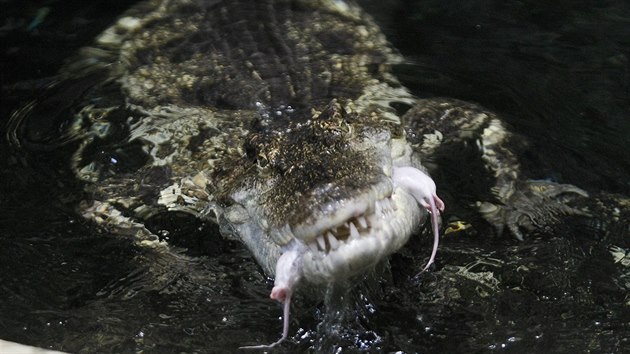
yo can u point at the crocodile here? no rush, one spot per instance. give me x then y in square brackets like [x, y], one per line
[281, 122]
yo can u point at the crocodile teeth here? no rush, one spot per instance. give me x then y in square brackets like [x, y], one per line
[362, 222]
[332, 240]
[369, 222]
[354, 233]
[371, 207]
[372, 220]
[321, 243]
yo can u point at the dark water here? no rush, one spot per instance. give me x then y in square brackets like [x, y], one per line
[557, 72]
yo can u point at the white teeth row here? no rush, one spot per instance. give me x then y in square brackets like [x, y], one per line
[348, 231]
[352, 229]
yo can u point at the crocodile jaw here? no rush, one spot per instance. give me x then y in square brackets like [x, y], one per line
[333, 252]
[332, 256]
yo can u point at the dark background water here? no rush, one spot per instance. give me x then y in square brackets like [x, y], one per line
[559, 74]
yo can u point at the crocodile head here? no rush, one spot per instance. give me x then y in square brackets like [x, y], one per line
[325, 188]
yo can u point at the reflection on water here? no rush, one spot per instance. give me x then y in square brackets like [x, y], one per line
[559, 73]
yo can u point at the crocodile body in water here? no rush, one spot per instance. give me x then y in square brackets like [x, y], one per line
[281, 122]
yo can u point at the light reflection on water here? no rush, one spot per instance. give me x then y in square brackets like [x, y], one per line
[67, 285]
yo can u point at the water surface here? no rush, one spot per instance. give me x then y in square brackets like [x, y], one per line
[557, 73]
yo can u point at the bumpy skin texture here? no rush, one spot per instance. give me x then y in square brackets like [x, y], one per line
[269, 118]
[512, 202]
[277, 120]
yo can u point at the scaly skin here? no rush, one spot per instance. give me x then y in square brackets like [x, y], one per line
[441, 126]
[275, 120]
[301, 158]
